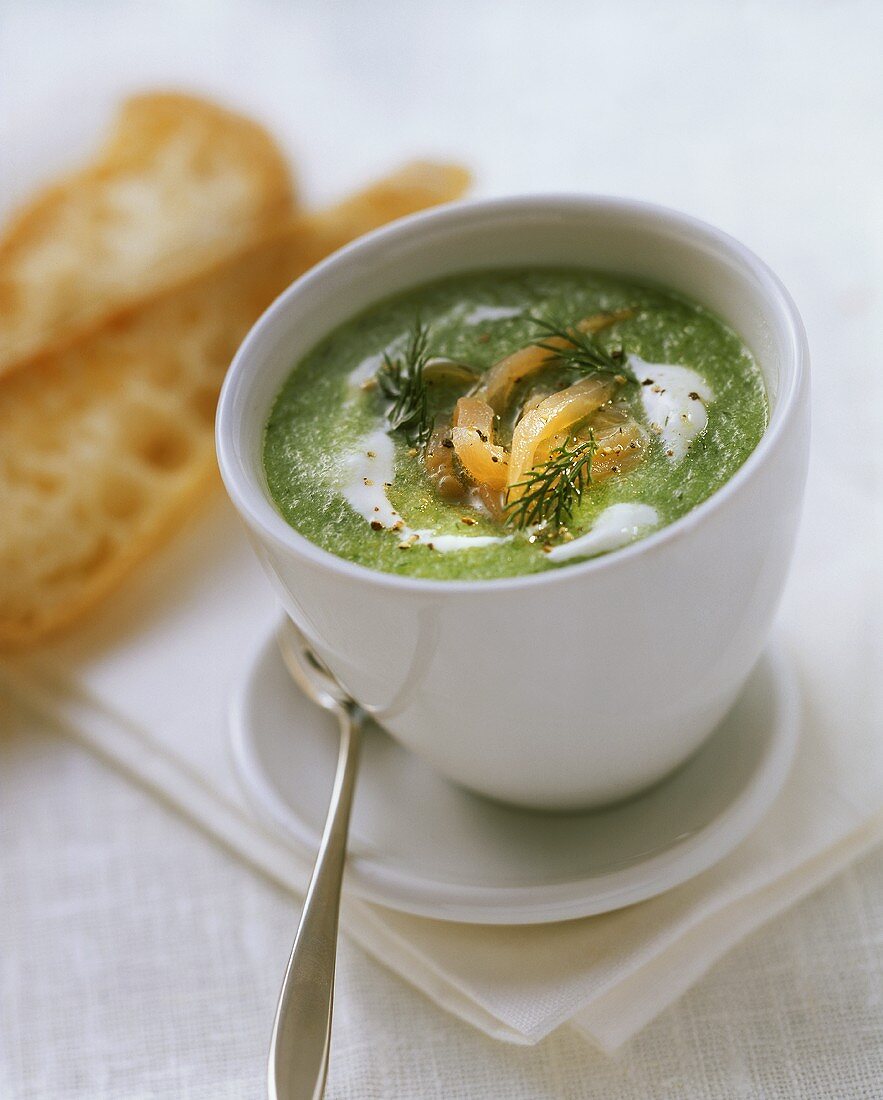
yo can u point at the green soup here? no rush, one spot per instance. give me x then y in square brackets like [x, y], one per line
[630, 406]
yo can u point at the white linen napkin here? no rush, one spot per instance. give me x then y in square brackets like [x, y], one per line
[148, 686]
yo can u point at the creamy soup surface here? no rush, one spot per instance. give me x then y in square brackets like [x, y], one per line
[508, 422]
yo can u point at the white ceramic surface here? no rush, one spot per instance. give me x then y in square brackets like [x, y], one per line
[583, 685]
[423, 845]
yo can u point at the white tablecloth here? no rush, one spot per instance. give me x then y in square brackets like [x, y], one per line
[138, 960]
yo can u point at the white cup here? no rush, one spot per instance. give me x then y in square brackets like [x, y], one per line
[581, 685]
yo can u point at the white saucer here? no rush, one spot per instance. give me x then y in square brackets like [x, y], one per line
[420, 844]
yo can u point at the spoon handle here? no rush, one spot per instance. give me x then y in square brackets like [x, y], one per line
[298, 1062]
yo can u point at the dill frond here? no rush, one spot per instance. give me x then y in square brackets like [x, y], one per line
[581, 352]
[401, 381]
[551, 492]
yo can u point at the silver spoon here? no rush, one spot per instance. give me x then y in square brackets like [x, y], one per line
[299, 1047]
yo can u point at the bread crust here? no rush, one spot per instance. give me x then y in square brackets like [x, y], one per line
[179, 184]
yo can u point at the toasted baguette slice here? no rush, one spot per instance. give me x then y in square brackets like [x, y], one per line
[416, 185]
[180, 185]
[106, 446]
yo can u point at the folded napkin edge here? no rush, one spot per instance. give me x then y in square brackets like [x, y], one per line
[610, 1030]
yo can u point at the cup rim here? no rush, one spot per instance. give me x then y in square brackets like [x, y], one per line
[251, 499]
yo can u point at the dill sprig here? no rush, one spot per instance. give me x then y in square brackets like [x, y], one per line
[551, 492]
[582, 352]
[401, 381]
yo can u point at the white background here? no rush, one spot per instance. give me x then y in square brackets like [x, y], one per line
[137, 959]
